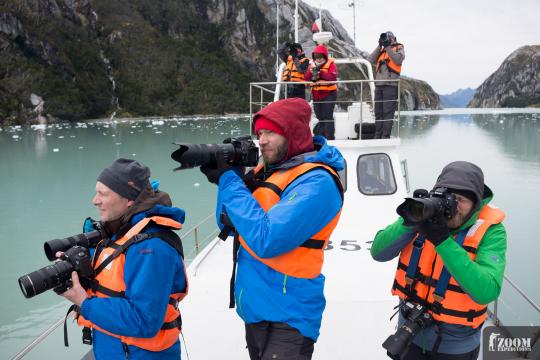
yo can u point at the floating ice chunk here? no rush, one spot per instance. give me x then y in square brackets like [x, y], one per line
[56, 150]
[158, 122]
[118, 143]
[72, 136]
[61, 137]
[133, 154]
[38, 127]
[196, 185]
[501, 121]
[157, 132]
[81, 147]
[15, 136]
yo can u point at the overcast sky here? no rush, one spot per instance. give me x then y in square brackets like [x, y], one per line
[450, 44]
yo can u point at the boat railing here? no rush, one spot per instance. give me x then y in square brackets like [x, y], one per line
[527, 313]
[356, 101]
[200, 241]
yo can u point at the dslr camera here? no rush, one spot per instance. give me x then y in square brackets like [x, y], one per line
[240, 151]
[76, 258]
[58, 275]
[384, 40]
[426, 205]
[416, 318]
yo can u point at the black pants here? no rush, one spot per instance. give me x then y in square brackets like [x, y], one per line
[272, 340]
[324, 110]
[385, 106]
[295, 91]
[415, 353]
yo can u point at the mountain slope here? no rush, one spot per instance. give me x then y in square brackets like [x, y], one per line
[80, 59]
[458, 99]
[515, 84]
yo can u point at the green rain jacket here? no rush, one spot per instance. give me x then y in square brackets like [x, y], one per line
[481, 279]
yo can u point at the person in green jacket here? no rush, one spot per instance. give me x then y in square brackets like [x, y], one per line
[467, 237]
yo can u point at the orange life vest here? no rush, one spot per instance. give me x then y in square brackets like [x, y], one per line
[306, 260]
[291, 73]
[109, 282]
[324, 85]
[456, 307]
[384, 58]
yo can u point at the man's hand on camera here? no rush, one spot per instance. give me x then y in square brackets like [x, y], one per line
[213, 174]
[436, 230]
[76, 294]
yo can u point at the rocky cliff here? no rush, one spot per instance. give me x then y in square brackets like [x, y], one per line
[79, 59]
[515, 84]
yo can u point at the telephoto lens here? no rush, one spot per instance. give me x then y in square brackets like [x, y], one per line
[87, 240]
[57, 274]
[45, 278]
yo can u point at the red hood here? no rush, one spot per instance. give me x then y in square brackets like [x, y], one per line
[320, 49]
[293, 116]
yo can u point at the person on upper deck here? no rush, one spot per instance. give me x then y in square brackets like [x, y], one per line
[279, 237]
[387, 57]
[452, 263]
[320, 73]
[297, 63]
[132, 302]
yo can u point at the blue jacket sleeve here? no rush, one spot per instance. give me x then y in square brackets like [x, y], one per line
[305, 207]
[152, 269]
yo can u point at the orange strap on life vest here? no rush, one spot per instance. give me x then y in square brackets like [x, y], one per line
[306, 260]
[109, 282]
[324, 85]
[291, 72]
[384, 58]
[457, 307]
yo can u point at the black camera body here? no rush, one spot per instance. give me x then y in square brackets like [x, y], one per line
[438, 202]
[384, 40]
[58, 275]
[240, 151]
[416, 318]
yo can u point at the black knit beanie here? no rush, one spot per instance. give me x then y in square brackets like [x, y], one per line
[125, 177]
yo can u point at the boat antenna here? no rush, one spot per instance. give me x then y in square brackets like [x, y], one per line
[277, 36]
[296, 22]
[320, 18]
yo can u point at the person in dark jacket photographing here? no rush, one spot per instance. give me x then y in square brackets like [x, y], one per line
[296, 64]
[388, 58]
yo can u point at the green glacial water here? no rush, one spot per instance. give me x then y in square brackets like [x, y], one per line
[48, 174]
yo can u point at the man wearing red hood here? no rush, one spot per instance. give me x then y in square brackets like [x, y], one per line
[324, 94]
[283, 219]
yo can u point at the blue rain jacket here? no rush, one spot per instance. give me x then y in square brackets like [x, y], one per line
[153, 270]
[306, 206]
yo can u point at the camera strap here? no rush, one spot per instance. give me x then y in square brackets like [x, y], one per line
[412, 269]
[444, 278]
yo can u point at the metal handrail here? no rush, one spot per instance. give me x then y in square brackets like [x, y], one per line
[41, 337]
[521, 293]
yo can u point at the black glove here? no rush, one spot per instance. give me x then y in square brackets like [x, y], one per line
[315, 73]
[435, 230]
[382, 39]
[214, 173]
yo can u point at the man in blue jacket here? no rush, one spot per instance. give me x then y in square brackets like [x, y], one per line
[131, 304]
[283, 213]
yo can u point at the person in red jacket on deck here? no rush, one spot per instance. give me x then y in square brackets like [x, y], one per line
[323, 72]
